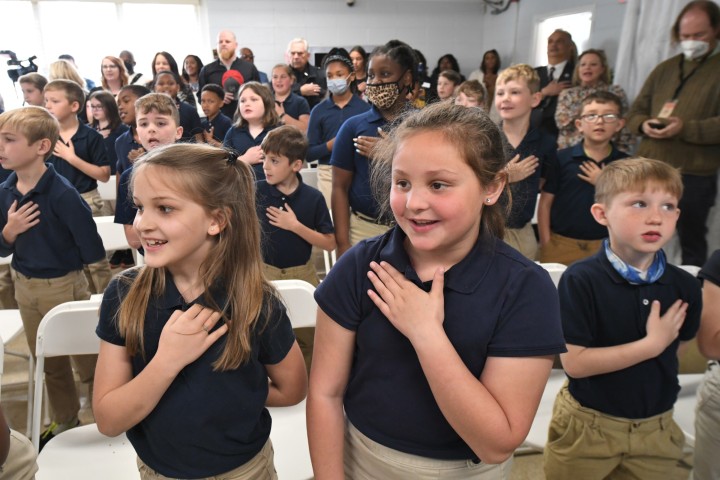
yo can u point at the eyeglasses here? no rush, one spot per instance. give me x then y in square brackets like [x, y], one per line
[607, 117]
[248, 57]
[109, 67]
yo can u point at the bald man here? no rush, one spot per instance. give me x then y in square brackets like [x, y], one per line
[213, 72]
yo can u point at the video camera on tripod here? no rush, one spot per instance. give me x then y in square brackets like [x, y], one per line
[16, 69]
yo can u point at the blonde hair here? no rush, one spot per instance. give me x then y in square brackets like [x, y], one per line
[520, 71]
[475, 136]
[212, 178]
[124, 79]
[604, 78]
[34, 123]
[64, 70]
[634, 175]
[162, 103]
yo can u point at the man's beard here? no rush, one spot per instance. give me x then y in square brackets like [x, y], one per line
[226, 54]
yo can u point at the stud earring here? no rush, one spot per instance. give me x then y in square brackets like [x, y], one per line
[487, 200]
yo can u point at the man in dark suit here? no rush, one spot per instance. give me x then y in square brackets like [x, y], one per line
[554, 78]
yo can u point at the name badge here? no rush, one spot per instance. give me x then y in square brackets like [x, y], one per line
[667, 110]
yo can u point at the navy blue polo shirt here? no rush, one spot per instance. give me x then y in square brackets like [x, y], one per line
[601, 309]
[90, 146]
[4, 174]
[123, 145]
[345, 156]
[570, 212]
[124, 207]
[66, 237]
[214, 71]
[525, 192]
[711, 270]
[240, 140]
[283, 248]
[221, 123]
[110, 146]
[206, 422]
[189, 120]
[325, 121]
[295, 105]
[497, 304]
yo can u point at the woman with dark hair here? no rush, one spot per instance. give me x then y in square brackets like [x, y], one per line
[359, 57]
[191, 71]
[487, 74]
[106, 120]
[446, 62]
[163, 62]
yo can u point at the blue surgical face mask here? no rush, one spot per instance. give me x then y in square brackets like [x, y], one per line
[337, 86]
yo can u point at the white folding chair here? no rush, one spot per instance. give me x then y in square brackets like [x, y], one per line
[309, 176]
[68, 329]
[691, 269]
[108, 190]
[555, 270]
[289, 429]
[112, 234]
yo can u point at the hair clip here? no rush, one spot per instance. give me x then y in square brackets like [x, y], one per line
[232, 158]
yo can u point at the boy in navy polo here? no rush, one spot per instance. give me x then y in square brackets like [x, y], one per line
[625, 312]
[293, 216]
[568, 232]
[50, 232]
[81, 158]
[127, 146]
[216, 124]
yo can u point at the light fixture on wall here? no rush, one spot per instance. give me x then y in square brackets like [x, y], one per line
[350, 3]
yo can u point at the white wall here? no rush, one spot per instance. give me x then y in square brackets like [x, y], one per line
[436, 27]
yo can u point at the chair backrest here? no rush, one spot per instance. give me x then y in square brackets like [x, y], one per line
[108, 190]
[309, 176]
[68, 329]
[112, 234]
[691, 269]
[555, 270]
[297, 295]
[6, 260]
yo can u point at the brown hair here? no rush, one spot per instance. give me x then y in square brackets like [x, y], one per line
[123, 72]
[602, 97]
[604, 78]
[34, 123]
[475, 136]
[710, 8]
[473, 89]
[161, 103]
[34, 79]
[285, 68]
[214, 180]
[635, 174]
[452, 76]
[287, 141]
[270, 118]
[73, 92]
[520, 71]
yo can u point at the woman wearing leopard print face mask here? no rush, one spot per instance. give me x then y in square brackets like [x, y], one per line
[391, 77]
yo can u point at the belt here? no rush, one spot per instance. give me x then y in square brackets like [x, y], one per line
[376, 221]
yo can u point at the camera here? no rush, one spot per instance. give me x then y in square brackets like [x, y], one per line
[16, 69]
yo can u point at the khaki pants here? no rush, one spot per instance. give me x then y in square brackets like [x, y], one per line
[35, 298]
[707, 426]
[567, 250]
[98, 274]
[260, 467]
[21, 460]
[584, 443]
[523, 240]
[306, 335]
[361, 229]
[366, 459]
[7, 288]
[324, 182]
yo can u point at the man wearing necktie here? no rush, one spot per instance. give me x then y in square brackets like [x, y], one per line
[554, 78]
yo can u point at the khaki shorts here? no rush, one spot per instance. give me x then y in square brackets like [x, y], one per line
[523, 240]
[587, 444]
[567, 250]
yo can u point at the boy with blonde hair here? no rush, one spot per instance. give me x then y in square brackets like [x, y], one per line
[517, 92]
[625, 312]
[50, 232]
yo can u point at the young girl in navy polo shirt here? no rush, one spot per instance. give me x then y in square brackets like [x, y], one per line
[435, 340]
[196, 343]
